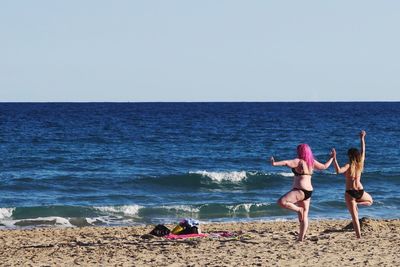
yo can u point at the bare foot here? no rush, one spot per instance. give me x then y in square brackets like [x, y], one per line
[300, 213]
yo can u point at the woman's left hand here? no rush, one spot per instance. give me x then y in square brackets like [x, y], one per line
[333, 153]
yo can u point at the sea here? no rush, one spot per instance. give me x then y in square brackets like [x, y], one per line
[122, 164]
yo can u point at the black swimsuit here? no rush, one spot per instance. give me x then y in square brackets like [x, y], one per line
[357, 194]
[307, 194]
[296, 173]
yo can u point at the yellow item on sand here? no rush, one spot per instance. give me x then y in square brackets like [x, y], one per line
[177, 229]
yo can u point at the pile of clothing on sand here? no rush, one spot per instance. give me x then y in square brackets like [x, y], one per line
[185, 228]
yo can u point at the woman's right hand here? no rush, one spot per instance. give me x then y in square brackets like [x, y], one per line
[363, 134]
[333, 153]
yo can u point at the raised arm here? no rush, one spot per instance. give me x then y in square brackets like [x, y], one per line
[336, 164]
[323, 166]
[362, 141]
[292, 163]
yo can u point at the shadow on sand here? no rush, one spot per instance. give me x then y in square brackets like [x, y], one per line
[349, 227]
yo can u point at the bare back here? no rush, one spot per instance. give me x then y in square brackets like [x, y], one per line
[302, 177]
[353, 182]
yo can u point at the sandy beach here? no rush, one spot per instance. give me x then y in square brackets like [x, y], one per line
[253, 244]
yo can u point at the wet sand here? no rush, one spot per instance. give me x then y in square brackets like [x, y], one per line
[328, 243]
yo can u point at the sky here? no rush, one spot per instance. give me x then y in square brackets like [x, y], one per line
[209, 50]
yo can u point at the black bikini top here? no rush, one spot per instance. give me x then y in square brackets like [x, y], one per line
[298, 174]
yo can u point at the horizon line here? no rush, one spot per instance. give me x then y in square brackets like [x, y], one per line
[245, 101]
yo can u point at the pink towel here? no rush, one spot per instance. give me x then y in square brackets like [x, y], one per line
[172, 236]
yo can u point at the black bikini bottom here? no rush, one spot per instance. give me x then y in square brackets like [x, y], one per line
[307, 194]
[357, 194]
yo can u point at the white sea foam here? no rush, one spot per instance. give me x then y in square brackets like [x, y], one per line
[285, 174]
[246, 206]
[51, 220]
[6, 212]
[94, 220]
[8, 224]
[110, 220]
[130, 210]
[184, 208]
[60, 221]
[234, 176]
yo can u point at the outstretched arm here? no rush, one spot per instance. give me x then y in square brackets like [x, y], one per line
[323, 166]
[362, 141]
[336, 164]
[289, 163]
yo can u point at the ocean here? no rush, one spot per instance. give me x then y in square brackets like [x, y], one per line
[78, 164]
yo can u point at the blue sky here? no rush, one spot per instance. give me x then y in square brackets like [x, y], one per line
[199, 50]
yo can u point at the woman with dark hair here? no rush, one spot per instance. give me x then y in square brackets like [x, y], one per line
[298, 199]
[355, 193]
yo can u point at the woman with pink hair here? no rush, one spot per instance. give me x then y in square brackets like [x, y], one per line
[298, 199]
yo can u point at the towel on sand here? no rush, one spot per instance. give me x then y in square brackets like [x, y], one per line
[172, 236]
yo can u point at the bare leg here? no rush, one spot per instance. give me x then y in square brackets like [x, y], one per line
[293, 200]
[288, 201]
[352, 207]
[365, 200]
[304, 220]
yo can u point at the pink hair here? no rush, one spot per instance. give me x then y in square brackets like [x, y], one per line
[304, 152]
